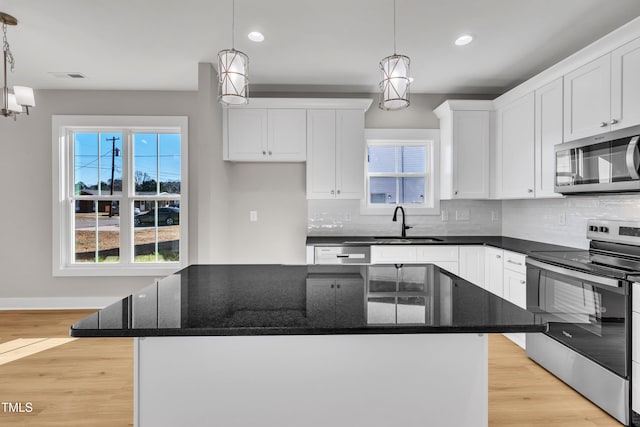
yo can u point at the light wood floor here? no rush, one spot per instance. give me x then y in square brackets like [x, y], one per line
[89, 382]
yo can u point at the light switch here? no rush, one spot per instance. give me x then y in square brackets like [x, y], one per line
[253, 216]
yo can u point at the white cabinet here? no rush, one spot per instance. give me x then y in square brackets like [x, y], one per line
[493, 271]
[335, 154]
[472, 263]
[262, 134]
[465, 133]
[444, 256]
[335, 300]
[602, 95]
[548, 133]
[515, 149]
[515, 286]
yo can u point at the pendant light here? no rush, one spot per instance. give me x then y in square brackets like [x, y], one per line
[22, 97]
[394, 84]
[233, 65]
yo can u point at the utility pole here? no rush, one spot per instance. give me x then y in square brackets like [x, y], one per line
[113, 167]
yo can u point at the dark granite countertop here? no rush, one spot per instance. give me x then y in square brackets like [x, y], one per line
[204, 300]
[508, 243]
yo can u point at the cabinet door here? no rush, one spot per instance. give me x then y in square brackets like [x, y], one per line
[587, 99]
[548, 133]
[349, 303]
[625, 86]
[393, 254]
[493, 271]
[471, 154]
[321, 154]
[471, 264]
[515, 288]
[350, 154]
[515, 149]
[287, 139]
[321, 301]
[247, 134]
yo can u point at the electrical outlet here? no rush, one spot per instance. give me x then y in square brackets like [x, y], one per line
[462, 215]
[444, 215]
[347, 216]
[562, 218]
[253, 216]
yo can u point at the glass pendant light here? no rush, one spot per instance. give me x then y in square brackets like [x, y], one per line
[394, 83]
[233, 67]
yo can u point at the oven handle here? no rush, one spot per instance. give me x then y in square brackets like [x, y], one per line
[631, 158]
[604, 281]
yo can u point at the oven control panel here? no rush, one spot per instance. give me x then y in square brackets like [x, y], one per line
[614, 231]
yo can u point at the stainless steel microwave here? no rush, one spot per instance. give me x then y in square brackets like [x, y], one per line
[599, 164]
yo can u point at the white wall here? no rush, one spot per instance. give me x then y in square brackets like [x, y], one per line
[542, 220]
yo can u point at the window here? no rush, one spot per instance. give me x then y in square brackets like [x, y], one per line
[401, 169]
[119, 195]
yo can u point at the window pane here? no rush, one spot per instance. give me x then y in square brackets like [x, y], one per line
[382, 190]
[108, 231]
[382, 158]
[111, 163]
[411, 190]
[169, 163]
[145, 161]
[85, 163]
[85, 231]
[413, 159]
[156, 232]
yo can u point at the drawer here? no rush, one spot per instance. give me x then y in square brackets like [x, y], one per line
[515, 262]
[635, 293]
[436, 253]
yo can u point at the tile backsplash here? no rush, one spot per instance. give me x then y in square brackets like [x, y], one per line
[342, 217]
[563, 221]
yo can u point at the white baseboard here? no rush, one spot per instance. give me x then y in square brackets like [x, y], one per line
[56, 303]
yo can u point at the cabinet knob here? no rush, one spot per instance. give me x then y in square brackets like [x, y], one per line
[338, 286]
[603, 124]
[264, 153]
[332, 192]
[498, 256]
[613, 121]
[331, 286]
[522, 282]
[269, 152]
[530, 190]
[455, 192]
[338, 191]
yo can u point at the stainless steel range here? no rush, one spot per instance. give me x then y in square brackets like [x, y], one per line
[585, 297]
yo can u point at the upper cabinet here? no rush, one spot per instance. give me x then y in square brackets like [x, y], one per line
[335, 154]
[548, 133]
[600, 96]
[465, 134]
[270, 135]
[515, 164]
[276, 129]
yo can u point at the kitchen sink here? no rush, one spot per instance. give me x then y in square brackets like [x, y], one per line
[404, 240]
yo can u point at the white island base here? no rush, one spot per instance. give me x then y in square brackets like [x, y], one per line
[408, 380]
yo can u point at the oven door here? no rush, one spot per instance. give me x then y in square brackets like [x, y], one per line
[587, 313]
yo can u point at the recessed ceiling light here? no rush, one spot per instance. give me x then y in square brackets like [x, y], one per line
[463, 40]
[255, 36]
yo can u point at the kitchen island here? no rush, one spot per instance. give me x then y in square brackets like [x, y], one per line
[246, 345]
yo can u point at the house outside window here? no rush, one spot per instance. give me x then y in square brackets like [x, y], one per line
[401, 168]
[119, 195]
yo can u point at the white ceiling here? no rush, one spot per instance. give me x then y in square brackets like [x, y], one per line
[330, 45]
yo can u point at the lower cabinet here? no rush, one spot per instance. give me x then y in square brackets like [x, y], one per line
[445, 256]
[494, 271]
[335, 301]
[635, 347]
[471, 264]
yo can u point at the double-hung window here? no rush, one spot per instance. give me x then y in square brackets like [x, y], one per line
[401, 169]
[120, 205]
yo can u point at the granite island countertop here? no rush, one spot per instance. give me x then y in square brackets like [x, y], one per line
[214, 300]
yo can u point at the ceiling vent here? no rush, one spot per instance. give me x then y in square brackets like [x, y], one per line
[67, 75]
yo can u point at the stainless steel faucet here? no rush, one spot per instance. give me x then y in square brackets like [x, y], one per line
[395, 218]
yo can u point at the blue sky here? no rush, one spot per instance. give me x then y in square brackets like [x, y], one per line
[91, 168]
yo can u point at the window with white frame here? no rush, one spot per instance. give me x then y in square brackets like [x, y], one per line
[119, 195]
[401, 169]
